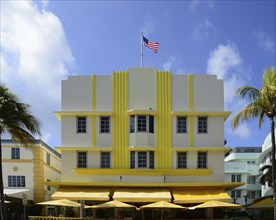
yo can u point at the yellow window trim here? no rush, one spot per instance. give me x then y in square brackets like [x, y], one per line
[224, 114]
[83, 113]
[141, 112]
[186, 149]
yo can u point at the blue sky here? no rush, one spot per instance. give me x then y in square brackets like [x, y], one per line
[42, 42]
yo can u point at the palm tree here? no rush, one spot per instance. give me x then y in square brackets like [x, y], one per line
[17, 121]
[262, 103]
[266, 177]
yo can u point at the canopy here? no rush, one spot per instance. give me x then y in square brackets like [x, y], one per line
[17, 193]
[163, 204]
[199, 195]
[261, 204]
[215, 204]
[84, 193]
[60, 202]
[112, 204]
[142, 194]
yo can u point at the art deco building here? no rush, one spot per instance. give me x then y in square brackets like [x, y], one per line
[143, 135]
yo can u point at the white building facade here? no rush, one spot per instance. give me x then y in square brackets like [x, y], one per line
[265, 159]
[241, 166]
[143, 130]
[26, 169]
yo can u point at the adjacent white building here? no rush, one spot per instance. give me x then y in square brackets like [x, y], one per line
[26, 169]
[241, 166]
[265, 159]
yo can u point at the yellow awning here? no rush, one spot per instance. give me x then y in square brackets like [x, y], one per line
[199, 195]
[264, 203]
[142, 194]
[74, 193]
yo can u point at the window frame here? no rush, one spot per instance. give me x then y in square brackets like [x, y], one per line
[104, 125]
[82, 161]
[202, 160]
[181, 164]
[15, 153]
[141, 124]
[202, 126]
[105, 160]
[179, 129]
[48, 158]
[81, 124]
[16, 181]
[146, 162]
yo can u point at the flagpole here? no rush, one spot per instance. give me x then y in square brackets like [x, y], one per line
[142, 62]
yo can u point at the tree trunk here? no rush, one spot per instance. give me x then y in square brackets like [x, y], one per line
[273, 162]
[2, 197]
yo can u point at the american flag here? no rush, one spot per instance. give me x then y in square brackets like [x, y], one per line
[151, 45]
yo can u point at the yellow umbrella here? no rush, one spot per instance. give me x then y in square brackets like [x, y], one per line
[112, 204]
[163, 204]
[215, 204]
[60, 202]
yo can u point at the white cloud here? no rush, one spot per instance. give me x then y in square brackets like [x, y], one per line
[174, 65]
[149, 25]
[265, 41]
[35, 57]
[195, 5]
[203, 29]
[225, 61]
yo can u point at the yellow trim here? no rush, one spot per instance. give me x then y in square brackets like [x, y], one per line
[95, 149]
[120, 120]
[186, 149]
[146, 148]
[38, 171]
[144, 172]
[141, 112]
[191, 113]
[226, 185]
[17, 161]
[83, 113]
[163, 119]
[191, 109]
[94, 101]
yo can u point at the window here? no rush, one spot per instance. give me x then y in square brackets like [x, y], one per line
[202, 125]
[81, 124]
[15, 153]
[48, 158]
[201, 160]
[252, 195]
[236, 193]
[251, 180]
[182, 124]
[132, 124]
[236, 178]
[48, 187]
[104, 124]
[141, 123]
[82, 160]
[16, 181]
[105, 160]
[181, 160]
[142, 159]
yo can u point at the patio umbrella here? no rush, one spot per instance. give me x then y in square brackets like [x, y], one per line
[162, 205]
[60, 202]
[112, 204]
[215, 204]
